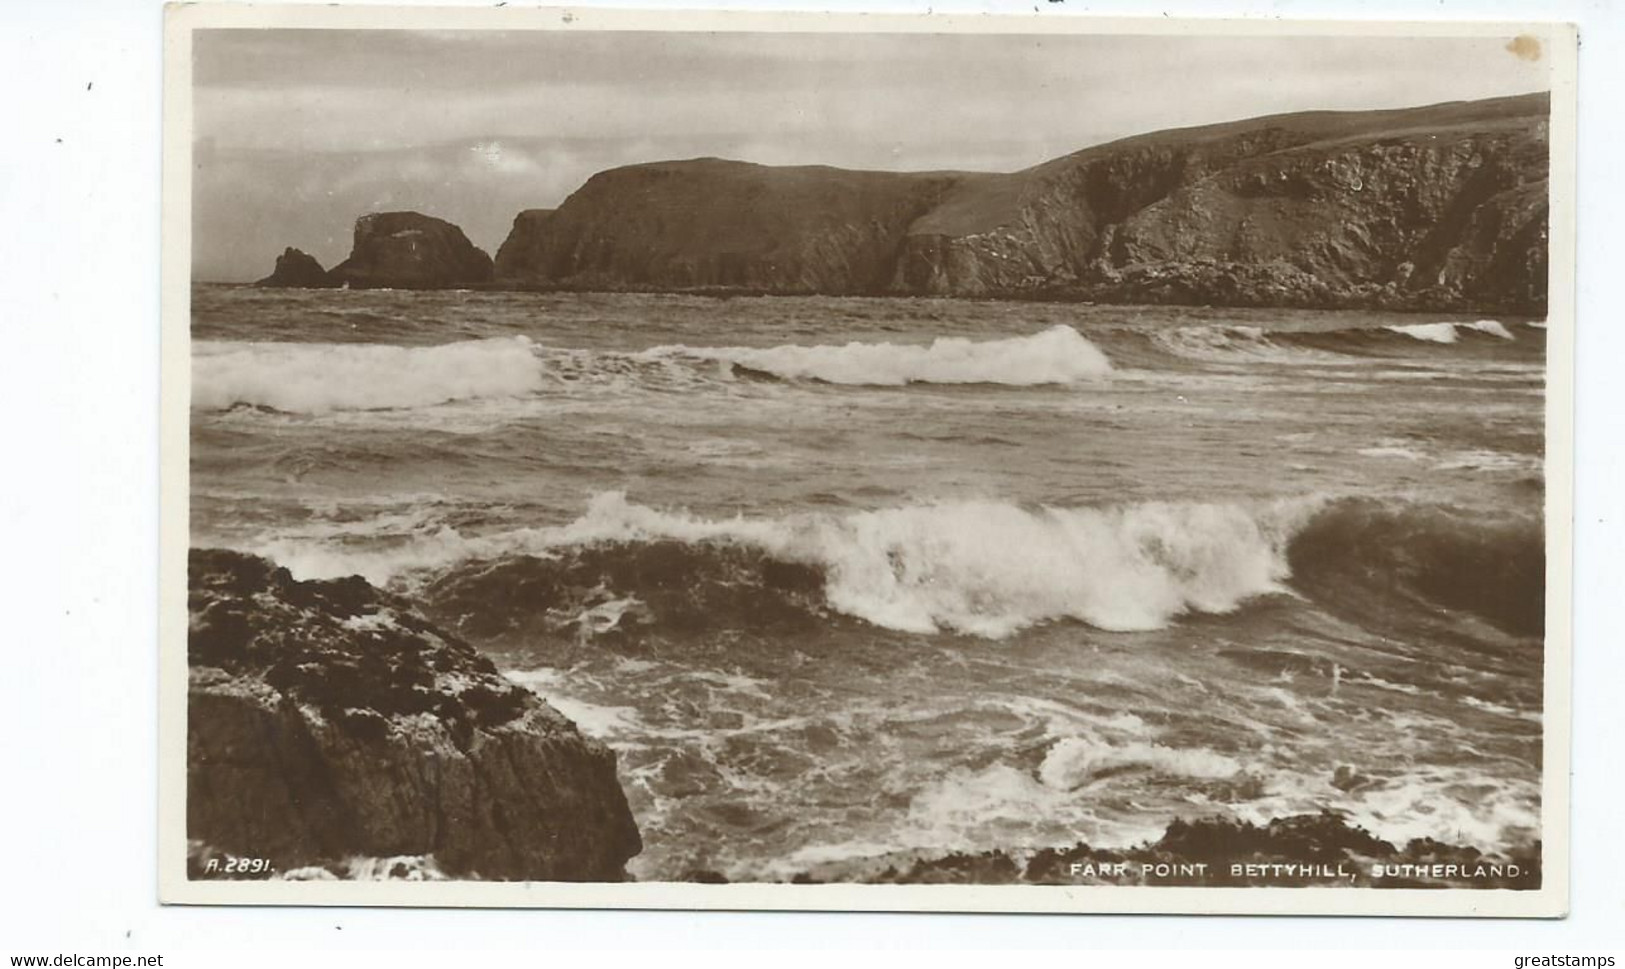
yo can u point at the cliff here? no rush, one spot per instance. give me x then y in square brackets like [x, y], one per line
[329, 724]
[407, 250]
[1433, 207]
[710, 222]
[297, 270]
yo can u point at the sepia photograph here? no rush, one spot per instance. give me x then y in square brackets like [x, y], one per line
[861, 462]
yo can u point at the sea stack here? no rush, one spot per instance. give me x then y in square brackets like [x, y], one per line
[409, 250]
[296, 269]
[330, 725]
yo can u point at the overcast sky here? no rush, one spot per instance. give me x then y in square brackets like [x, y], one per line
[296, 129]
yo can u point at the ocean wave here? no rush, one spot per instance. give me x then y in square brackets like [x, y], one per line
[1361, 556]
[315, 378]
[318, 378]
[982, 568]
[1451, 332]
[1240, 344]
[1058, 355]
[1074, 761]
[985, 568]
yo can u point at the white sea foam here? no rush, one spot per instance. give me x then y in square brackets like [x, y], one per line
[1424, 802]
[1501, 709]
[594, 719]
[991, 569]
[978, 567]
[1450, 332]
[1076, 760]
[1239, 344]
[1058, 355]
[1492, 327]
[411, 868]
[1484, 460]
[1391, 450]
[317, 378]
[1428, 332]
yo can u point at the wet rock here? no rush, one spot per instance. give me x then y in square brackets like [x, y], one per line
[1307, 849]
[327, 721]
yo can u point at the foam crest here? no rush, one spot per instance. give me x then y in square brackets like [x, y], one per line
[1427, 332]
[1492, 327]
[983, 568]
[316, 378]
[991, 569]
[1058, 355]
[1451, 332]
[1237, 344]
[1075, 760]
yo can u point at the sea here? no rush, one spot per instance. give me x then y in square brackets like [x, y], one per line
[841, 578]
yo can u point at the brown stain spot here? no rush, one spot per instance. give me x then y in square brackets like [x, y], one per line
[1525, 46]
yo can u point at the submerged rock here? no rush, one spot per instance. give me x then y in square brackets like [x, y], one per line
[329, 722]
[408, 250]
[296, 269]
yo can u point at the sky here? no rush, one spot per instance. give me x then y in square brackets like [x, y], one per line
[298, 132]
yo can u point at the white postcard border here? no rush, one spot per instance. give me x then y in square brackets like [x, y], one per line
[1559, 42]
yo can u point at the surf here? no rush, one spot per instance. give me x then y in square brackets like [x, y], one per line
[318, 378]
[1058, 355]
[980, 568]
[1226, 343]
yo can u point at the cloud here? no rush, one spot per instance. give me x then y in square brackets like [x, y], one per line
[456, 122]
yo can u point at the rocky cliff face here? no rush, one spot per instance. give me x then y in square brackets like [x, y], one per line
[709, 222]
[329, 723]
[407, 250]
[526, 244]
[297, 270]
[1442, 206]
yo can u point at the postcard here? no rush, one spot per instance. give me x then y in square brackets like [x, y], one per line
[866, 462]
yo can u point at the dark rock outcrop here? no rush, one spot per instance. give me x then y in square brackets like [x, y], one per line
[1437, 207]
[329, 722]
[407, 250]
[1302, 850]
[297, 270]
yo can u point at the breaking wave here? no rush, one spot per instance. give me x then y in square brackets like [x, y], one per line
[987, 569]
[314, 378]
[1359, 555]
[317, 378]
[1230, 343]
[1058, 355]
[1236, 344]
[1451, 332]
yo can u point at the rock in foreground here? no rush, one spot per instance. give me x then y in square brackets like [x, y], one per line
[328, 722]
[408, 250]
